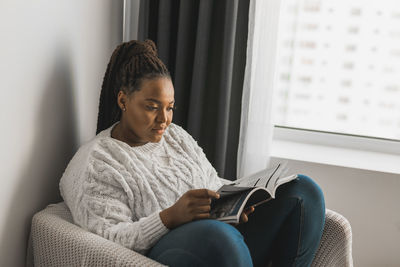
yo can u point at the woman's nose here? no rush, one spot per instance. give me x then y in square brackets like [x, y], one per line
[162, 116]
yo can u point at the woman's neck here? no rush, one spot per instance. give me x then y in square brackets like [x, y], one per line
[123, 134]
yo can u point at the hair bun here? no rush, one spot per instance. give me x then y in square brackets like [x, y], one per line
[146, 47]
[152, 45]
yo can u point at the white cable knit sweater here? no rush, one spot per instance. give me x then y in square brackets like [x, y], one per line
[117, 191]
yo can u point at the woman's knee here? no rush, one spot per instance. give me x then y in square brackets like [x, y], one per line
[310, 189]
[217, 234]
[225, 244]
[210, 228]
[305, 190]
[212, 241]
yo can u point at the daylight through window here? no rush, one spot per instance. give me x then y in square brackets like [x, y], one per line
[338, 67]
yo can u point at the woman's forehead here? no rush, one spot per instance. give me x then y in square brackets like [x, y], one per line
[157, 90]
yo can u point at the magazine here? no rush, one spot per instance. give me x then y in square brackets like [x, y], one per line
[252, 190]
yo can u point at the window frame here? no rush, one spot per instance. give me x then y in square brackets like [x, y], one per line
[369, 143]
[345, 150]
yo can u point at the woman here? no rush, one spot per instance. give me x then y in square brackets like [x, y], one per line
[143, 182]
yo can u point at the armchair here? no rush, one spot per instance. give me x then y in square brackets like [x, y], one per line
[57, 241]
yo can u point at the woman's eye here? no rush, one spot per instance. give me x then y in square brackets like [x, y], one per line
[152, 108]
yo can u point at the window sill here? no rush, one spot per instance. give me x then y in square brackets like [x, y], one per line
[338, 156]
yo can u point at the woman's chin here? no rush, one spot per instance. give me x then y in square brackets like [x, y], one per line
[156, 138]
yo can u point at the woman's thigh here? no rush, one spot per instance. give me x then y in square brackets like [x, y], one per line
[288, 226]
[202, 243]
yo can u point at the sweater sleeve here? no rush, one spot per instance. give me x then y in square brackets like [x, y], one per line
[106, 205]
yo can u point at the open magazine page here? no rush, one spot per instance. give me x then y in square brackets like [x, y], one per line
[263, 177]
[253, 179]
[276, 181]
[228, 208]
[279, 171]
[252, 190]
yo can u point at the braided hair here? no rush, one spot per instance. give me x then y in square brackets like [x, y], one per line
[130, 63]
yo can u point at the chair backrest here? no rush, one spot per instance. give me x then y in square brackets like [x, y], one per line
[56, 241]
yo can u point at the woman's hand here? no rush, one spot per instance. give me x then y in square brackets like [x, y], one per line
[244, 216]
[193, 205]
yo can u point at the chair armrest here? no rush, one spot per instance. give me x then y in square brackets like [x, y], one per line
[335, 248]
[57, 241]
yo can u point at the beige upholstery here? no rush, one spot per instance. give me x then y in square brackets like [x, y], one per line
[56, 241]
[336, 242]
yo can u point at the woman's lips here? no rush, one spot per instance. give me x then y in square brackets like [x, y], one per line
[159, 131]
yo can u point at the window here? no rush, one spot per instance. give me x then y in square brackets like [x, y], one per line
[338, 67]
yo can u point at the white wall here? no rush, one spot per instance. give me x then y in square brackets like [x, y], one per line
[370, 201]
[53, 56]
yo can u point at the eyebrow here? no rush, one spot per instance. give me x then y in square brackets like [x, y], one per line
[155, 100]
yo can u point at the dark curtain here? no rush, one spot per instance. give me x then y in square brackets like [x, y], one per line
[203, 43]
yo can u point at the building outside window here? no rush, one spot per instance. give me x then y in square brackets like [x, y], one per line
[338, 67]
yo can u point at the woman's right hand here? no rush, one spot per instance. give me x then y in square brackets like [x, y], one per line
[193, 205]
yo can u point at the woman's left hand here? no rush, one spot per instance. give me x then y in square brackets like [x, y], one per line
[244, 216]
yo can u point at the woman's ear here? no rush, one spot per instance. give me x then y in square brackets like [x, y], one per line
[122, 100]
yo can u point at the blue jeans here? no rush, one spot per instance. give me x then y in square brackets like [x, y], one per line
[286, 231]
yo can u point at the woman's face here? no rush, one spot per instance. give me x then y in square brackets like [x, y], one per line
[148, 111]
